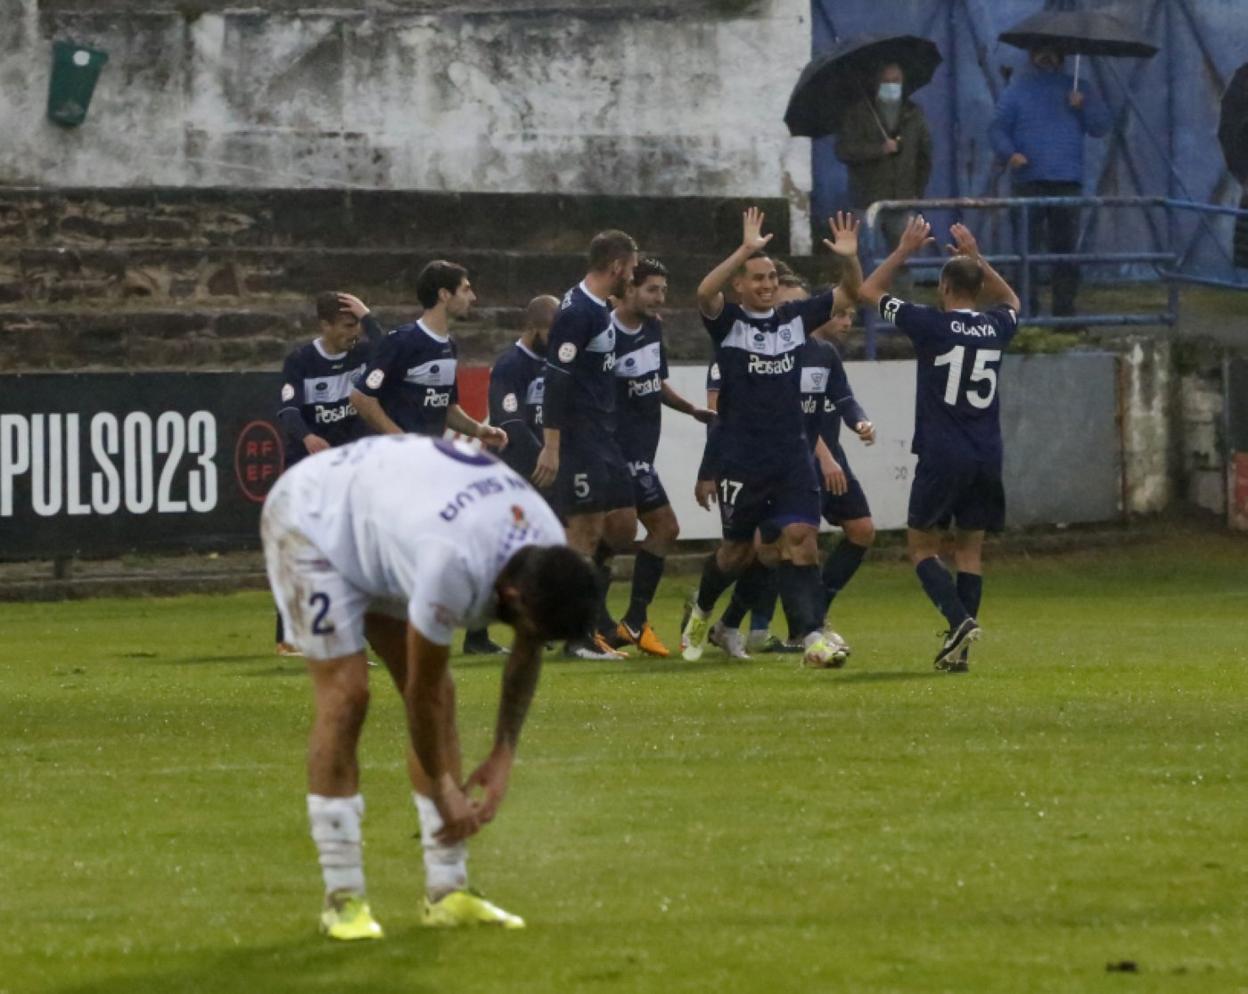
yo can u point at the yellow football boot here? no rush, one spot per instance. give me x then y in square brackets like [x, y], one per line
[347, 917]
[645, 640]
[466, 907]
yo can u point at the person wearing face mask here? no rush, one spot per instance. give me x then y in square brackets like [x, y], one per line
[1038, 131]
[886, 143]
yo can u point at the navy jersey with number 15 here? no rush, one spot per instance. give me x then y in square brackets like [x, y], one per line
[957, 413]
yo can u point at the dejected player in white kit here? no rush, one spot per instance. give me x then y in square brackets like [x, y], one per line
[400, 540]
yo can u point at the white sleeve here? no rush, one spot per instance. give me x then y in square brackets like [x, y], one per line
[442, 593]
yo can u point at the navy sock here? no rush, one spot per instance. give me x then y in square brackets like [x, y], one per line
[800, 595]
[940, 590]
[763, 606]
[281, 629]
[840, 568]
[476, 634]
[647, 571]
[970, 591]
[746, 594]
[713, 583]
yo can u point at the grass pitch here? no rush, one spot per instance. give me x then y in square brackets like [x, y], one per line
[1077, 801]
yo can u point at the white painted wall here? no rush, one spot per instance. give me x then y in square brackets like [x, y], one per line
[511, 102]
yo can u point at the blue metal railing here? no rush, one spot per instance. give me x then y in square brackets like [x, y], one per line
[1164, 264]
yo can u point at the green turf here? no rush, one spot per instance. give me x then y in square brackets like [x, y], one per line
[1078, 799]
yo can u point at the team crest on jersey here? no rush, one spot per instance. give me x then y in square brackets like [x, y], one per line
[786, 333]
[288, 393]
[511, 404]
[715, 371]
[375, 379]
[517, 516]
[567, 352]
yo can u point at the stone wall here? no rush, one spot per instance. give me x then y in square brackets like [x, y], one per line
[654, 99]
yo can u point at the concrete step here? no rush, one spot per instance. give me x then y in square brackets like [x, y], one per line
[409, 219]
[146, 335]
[225, 275]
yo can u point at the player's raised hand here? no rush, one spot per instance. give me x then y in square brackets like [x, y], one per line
[963, 241]
[547, 467]
[866, 432]
[492, 777]
[705, 494]
[352, 304]
[844, 240]
[918, 234]
[752, 237]
[495, 438]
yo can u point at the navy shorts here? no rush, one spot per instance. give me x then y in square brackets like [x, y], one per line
[749, 500]
[847, 506]
[969, 495]
[648, 492]
[593, 475]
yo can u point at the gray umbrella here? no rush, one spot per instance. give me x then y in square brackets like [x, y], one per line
[1079, 32]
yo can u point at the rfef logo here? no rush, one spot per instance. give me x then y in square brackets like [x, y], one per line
[258, 459]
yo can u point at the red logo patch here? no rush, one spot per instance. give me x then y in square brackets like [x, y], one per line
[258, 459]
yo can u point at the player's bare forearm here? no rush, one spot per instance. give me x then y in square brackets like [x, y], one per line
[711, 289]
[877, 284]
[996, 289]
[371, 411]
[847, 291]
[520, 676]
[457, 419]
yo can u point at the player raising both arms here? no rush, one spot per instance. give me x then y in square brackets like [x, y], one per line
[643, 391]
[957, 422]
[400, 540]
[765, 470]
[581, 461]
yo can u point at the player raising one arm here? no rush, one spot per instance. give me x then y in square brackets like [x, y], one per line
[957, 422]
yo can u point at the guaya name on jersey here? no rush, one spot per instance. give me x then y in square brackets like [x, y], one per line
[771, 367]
[479, 489]
[973, 330]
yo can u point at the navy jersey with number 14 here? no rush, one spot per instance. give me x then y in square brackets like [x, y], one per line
[957, 412]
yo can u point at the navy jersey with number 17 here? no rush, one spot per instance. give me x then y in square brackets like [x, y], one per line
[957, 413]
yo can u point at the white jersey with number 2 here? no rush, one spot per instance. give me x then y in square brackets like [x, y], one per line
[421, 520]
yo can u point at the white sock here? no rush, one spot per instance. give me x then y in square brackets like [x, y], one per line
[339, 841]
[446, 867]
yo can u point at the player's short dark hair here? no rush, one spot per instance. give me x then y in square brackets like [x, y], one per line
[760, 254]
[438, 275]
[648, 267]
[328, 306]
[793, 281]
[558, 589]
[963, 275]
[608, 247]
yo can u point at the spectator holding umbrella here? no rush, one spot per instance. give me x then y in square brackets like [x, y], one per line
[1042, 118]
[885, 142]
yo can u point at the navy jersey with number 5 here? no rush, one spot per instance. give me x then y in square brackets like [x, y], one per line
[580, 359]
[640, 369]
[412, 375]
[758, 354]
[957, 413]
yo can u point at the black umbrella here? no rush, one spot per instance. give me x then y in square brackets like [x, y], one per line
[1233, 125]
[1079, 32]
[838, 78]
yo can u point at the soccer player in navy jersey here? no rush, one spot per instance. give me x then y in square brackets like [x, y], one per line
[316, 411]
[581, 461]
[517, 387]
[957, 422]
[766, 473]
[642, 393]
[409, 385]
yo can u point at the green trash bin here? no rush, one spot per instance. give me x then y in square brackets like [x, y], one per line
[75, 69]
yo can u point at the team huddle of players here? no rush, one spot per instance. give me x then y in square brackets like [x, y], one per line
[575, 406]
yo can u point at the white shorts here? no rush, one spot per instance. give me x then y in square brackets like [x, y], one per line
[322, 611]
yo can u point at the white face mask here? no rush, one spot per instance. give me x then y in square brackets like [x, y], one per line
[890, 93]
